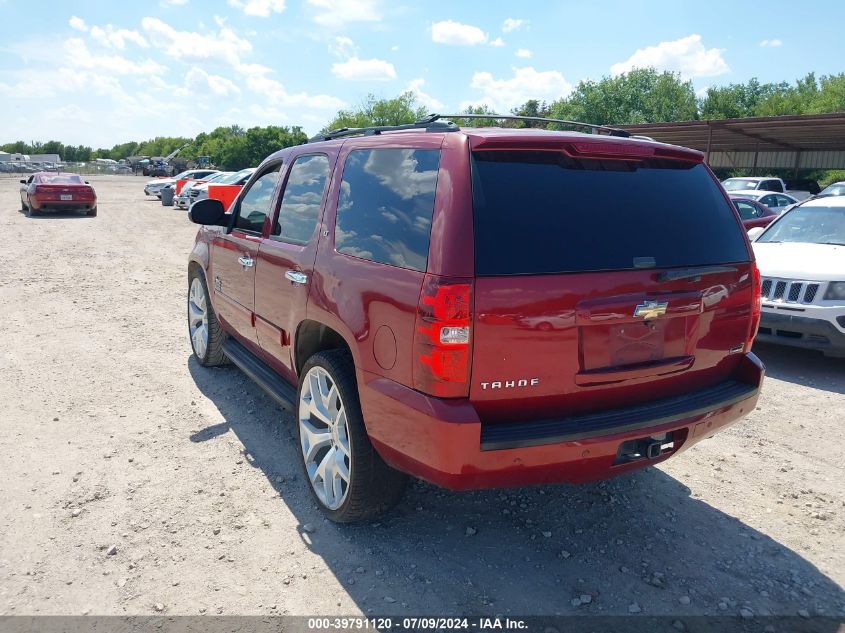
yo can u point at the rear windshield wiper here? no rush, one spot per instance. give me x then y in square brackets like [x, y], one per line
[693, 274]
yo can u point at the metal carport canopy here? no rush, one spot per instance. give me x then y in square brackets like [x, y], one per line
[810, 141]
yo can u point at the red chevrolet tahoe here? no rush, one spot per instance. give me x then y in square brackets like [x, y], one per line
[480, 307]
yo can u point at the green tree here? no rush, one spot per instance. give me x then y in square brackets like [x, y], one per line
[373, 111]
[642, 95]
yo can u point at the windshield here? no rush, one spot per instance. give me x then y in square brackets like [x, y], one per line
[236, 177]
[736, 184]
[810, 225]
[836, 189]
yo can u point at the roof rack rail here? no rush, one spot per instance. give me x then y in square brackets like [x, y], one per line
[595, 128]
[433, 123]
[429, 124]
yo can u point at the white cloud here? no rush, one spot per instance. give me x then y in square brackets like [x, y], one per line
[771, 43]
[78, 56]
[526, 83]
[497, 42]
[188, 46]
[524, 53]
[343, 47]
[172, 3]
[116, 38]
[425, 99]
[457, 34]
[258, 8]
[77, 23]
[512, 24]
[355, 69]
[199, 82]
[335, 14]
[279, 96]
[686, 56]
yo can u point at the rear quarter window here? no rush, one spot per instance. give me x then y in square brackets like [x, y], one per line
[543, 212]
[385, 206]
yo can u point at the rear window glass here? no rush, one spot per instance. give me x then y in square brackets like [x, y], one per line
[543, 212]
[61, 179]
[385, 205]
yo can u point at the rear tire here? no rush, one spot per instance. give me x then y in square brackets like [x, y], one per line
[30, 212]
[92, 213]
[346, 476]
[203, 328]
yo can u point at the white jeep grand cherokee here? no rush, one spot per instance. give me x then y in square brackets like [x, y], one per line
[801, 257]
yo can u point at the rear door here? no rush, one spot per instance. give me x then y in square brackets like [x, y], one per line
[601, 281]
[234, 254]
[286, 258]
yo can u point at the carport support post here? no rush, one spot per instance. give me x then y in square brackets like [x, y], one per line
[797, 162]
[756, 153]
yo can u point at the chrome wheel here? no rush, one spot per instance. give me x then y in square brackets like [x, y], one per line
[324, 437]
[198, 318]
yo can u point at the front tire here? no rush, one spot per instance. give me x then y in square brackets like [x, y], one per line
[203, 328]
[347, 477]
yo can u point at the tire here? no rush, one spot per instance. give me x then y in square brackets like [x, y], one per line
[92, 213]
[30, 212]
[23, 205]
[201, 316]
[369, 487]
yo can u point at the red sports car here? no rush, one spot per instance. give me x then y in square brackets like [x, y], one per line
[48, 191]
[753, 213]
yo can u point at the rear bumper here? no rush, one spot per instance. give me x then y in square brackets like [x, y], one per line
[443, 441]
[799, 331]
[75, 205]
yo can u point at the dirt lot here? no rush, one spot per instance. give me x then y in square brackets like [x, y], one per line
[134, 481]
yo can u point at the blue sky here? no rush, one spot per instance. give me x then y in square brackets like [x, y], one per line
[103, 72]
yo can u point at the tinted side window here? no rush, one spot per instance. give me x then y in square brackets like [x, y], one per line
[543, 212]
[746, 211]
[301, 201]
[385, 206]
[255, 203]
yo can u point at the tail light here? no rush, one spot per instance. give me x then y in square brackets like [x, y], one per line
[442, 337]
[756, 305]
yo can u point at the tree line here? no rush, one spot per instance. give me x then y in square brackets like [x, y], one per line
[642, 95]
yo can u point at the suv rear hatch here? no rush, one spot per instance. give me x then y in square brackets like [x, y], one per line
[609, 273]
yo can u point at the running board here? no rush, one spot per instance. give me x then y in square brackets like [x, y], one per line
[276, 387]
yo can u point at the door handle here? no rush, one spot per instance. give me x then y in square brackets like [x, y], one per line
[246, 262]
[296, 277]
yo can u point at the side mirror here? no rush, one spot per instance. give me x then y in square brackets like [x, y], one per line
[87, 183]
[209, 212]
[23, 181]
[754, 233]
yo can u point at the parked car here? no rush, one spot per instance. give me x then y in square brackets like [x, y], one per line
[183, 199]
[200, 191]
[777, 202]
[803, 184]
[835, 189]
[49, 191]
[753, 213]
[154, 187]
[354, 278]
[765, 183]
[801, 257]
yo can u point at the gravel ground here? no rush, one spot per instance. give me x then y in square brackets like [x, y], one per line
[133, 481]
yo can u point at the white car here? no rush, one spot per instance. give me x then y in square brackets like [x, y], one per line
[801, 257]
[200, 191]
[183, 199]
[154, 187]
[777, 202]
[764, 183]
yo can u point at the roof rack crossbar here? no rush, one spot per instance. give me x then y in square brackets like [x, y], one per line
[594, 127]
[427, 123]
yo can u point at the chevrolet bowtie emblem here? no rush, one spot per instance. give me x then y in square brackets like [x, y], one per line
[651, 309]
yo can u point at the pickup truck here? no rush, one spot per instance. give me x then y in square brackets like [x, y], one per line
[764, 183]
